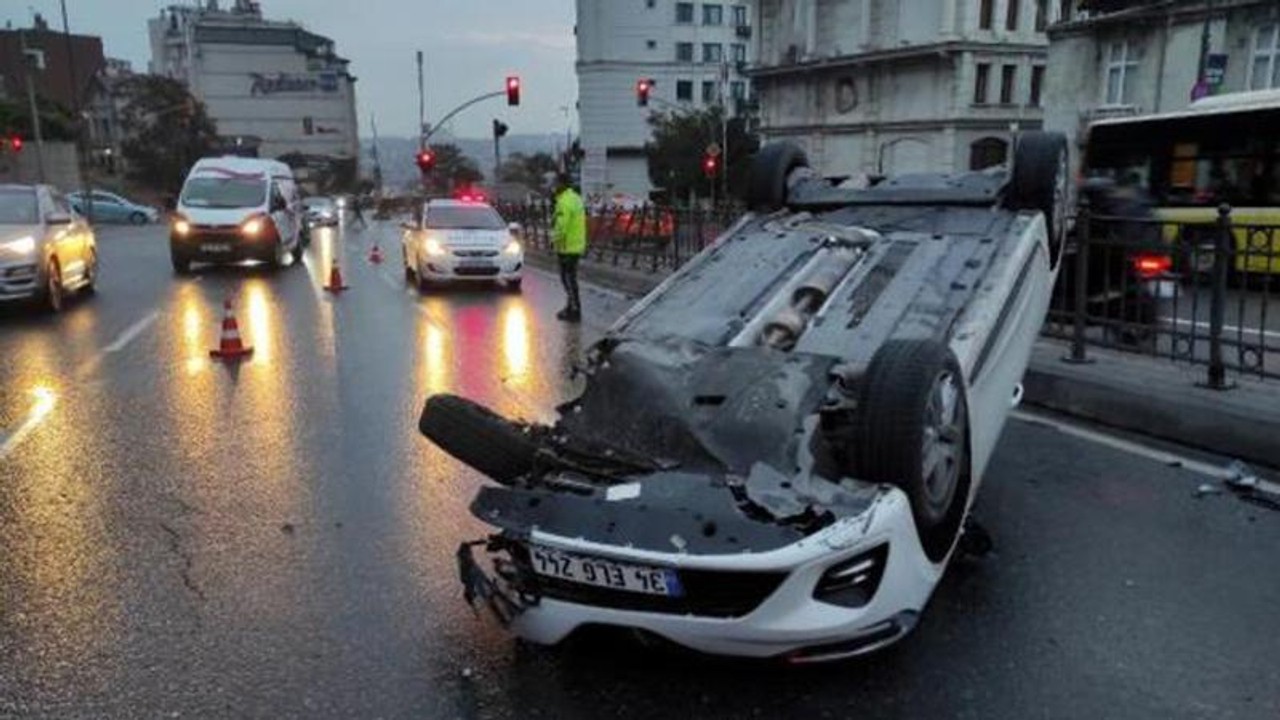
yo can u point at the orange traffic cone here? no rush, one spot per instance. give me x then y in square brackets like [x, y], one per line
[335, 277]
[375, 253]
[229, 346]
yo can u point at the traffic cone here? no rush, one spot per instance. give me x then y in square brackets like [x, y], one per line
[229, 346]
[375, 253]
[335, 276]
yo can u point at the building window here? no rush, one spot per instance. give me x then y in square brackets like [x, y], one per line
[684, 12]
[712, 14]
[651, 44]
[1008, 78]
[650, 3]
[684, 52]
[986, 12]
[1042, 15]
[684, 90]
[739, 52]
[1037, 85]
[738, 90]
[1265, 72]
[1121, 62]
[988, 152]
[1011, 15]
[1064, 11]
[708, 91]
[980, 82]
[712, 52]
[739, 15]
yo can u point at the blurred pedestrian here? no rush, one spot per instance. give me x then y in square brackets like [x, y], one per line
[569, 236]
[357, 212]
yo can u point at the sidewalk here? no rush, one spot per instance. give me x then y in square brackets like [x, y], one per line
[1141, 394]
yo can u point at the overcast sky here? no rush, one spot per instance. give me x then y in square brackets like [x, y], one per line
[470, 47]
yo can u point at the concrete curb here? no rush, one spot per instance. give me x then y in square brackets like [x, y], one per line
[1145, 395]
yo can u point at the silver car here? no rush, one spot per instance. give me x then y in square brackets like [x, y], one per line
[46, 250]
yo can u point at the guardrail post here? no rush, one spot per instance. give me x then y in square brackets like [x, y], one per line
[1217, 375]
[1080, 295]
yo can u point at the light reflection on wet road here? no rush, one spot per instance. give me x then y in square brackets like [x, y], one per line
[275, 540]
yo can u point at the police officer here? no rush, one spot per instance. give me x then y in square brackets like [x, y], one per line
[569, 235]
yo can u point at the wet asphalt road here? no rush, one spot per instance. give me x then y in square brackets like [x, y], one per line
[182, 539]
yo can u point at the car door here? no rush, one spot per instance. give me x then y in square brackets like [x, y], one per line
[66, 237]
[281, 215]
[106, 208]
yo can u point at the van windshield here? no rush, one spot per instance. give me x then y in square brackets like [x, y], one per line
[224, 192]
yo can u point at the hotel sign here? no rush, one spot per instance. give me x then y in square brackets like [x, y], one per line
[278, 83]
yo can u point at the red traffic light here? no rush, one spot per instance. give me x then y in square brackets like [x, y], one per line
[513, 90]
[642, 92]
[15, 143]
[426, 160]
[710, 165]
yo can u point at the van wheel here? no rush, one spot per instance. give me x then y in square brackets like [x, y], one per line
[1039, 182]
[770, 170]
[915, 430]
[477, 436]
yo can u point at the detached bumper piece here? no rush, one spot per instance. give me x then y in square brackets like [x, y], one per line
[498, 594]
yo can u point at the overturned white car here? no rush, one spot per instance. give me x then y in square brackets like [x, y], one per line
[776, 450]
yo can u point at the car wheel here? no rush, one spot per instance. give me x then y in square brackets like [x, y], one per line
[1039, 182]
[91, 273]
[914, 428]
[495, 446]
[297, 251]
[771, 169]
[181, 263]
[425, 286]
[278, 255]
[515, 286]
[53, 296]
[408, 269]
[138, 218]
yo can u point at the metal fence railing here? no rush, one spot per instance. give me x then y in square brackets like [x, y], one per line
[1205, 293]
[648, 238]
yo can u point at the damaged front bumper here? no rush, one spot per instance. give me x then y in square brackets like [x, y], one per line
[749, 604]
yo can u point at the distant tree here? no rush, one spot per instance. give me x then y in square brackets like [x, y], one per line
[166, 131]
[680, 140]
[55, 121]
[528, 170]
[452, 170]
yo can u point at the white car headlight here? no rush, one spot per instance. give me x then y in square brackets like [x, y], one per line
[513, 248]
[433, 247]
[21, 246]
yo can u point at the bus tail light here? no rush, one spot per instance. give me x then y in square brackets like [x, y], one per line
[1150, 266]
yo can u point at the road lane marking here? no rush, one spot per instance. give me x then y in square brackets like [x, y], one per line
[1164, 457]
[1233, 329]
[132, 332]
[45, 401]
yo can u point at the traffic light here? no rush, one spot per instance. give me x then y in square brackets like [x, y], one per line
[710, 165]
[499, 128]
[426, 160]
[513, 90]
[642, 92]
[15, 143]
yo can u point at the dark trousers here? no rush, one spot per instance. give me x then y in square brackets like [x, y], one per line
[569, 278]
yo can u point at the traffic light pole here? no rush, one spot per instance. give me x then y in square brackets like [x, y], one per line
[460, 108]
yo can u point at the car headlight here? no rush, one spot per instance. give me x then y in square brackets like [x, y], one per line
[21, 246]
[433, 247]
[252, 227]
[513, 248]
[181, 227]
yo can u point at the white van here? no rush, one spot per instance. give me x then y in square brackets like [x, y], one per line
[233, 209]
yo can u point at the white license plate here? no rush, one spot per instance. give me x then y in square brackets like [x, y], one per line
[604, 573]
[216, 247]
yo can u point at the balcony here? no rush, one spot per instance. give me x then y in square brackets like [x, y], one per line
[742, 31]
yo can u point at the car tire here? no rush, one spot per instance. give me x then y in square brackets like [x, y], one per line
[181, 263]
[138, 218]
[914, 428]
[1039, 182]
[470, 432]
[91, 273]
[409, 276]
[425, 286]
[767, 183]
[516, 286]
[297, 251]
[54, 298]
